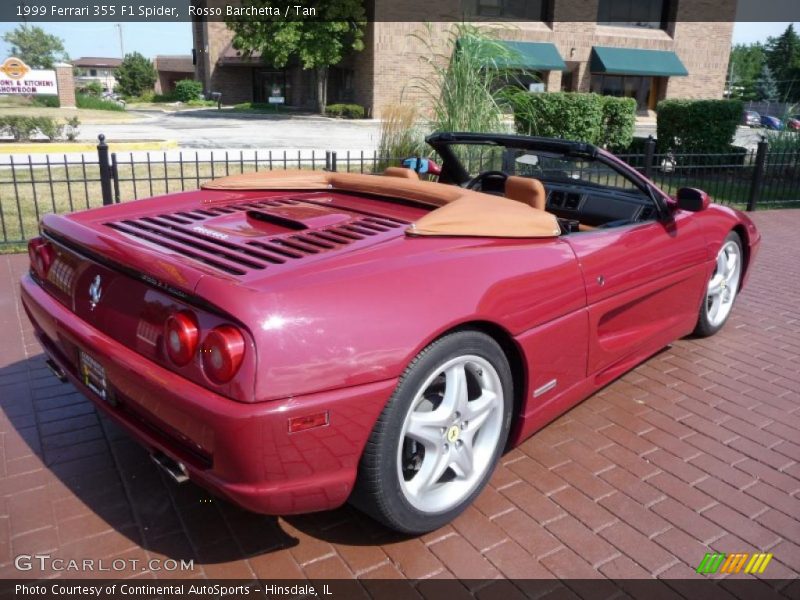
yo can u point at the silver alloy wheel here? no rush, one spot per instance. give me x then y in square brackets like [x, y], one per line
[724, 283]
[450, 434]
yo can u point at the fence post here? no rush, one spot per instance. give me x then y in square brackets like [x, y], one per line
[649, 151]
[105, 170]
[758, 173]
[115, 176]
[333, 161]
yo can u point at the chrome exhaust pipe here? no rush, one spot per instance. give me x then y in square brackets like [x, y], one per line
[56, 370]
[176, 470]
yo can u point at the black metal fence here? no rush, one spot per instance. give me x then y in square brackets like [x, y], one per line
[44, 184]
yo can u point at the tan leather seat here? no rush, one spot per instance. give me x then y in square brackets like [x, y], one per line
[527, 190]
[400, 172]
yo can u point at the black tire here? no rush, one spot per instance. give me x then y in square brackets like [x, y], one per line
[378, 490]
[704, 327]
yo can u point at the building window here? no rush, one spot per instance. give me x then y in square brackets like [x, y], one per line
[341, 86]
[521, 10]
[93, 72]
[629, 86]
[649, 14]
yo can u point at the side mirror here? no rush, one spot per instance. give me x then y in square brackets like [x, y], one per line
[692, 199]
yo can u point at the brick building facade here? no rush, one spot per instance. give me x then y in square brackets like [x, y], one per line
[659, 49]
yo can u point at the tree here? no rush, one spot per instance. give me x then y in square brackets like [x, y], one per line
[746, 61]
[36, 48]
[766, 88]
[135, 75]
[783, 58]
[319, 43]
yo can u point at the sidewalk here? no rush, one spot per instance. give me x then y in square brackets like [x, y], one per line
[695, 451]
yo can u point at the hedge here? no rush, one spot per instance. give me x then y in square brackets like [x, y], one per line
[188, 89]
[48, 101]
[24, 128]
[697, 126]
[95, 103]
[599, 120]
[346, 111]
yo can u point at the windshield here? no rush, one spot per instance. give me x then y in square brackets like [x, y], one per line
[545, 166]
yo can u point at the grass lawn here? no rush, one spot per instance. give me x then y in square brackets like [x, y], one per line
[86, 116]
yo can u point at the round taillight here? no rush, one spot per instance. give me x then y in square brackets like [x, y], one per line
[222, 352]
[181, 334]
[41, 254]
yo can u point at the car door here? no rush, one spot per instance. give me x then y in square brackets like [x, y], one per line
[644, 285]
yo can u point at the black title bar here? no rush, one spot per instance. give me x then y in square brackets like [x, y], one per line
[549, 11]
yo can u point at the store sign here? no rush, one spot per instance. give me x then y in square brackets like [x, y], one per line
[18, 78]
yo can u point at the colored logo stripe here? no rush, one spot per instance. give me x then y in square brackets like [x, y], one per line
[714, 562]
[710, 563]
[758, 563]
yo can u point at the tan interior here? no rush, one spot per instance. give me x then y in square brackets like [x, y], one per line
[401, 172]
[488, 216]
[527, 190]
[461, 212]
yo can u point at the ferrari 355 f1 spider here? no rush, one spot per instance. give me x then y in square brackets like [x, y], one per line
[294, 340]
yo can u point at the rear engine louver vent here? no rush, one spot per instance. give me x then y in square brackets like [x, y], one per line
[176, 232]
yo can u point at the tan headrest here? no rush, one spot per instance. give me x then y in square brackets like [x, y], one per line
[400, 172]
[527, 190]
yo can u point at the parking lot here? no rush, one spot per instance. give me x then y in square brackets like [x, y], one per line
[694, 451]
[214, 129]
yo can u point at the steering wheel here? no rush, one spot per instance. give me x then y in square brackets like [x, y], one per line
[479, 179]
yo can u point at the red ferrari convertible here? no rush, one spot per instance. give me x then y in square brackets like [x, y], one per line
[294, 340]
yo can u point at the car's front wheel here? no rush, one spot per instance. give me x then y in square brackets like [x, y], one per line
[722, 287]
[439, 437]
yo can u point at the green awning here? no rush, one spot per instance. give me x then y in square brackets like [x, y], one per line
[633, 61]
[537, 56]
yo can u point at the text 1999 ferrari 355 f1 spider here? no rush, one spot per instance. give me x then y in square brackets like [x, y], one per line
[293, 340]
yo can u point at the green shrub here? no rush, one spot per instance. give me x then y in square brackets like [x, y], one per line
[46, 101]
[92, 88]
[147, 96]
[346, 111]
[201, 102]
[19, 128]
[188, 89]
[71, 128]
[567, 115]
[168, 97]
[697, 125]
[95, 103]
[601, 120]
[49, 127]
[22, 129]
[619, 121]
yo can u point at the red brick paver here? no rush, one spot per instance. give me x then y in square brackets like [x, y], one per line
[696, 450]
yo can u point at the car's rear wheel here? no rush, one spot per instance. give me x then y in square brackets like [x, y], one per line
[439, 437]
[722, 287]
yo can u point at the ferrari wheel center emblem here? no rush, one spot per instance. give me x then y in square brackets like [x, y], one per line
[453, 433]
[95, 292]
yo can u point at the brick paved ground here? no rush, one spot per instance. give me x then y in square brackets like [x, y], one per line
[694, 451]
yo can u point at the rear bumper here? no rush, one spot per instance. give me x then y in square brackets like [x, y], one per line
[240, 450]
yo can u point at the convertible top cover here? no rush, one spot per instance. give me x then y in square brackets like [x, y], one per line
[459, 212]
